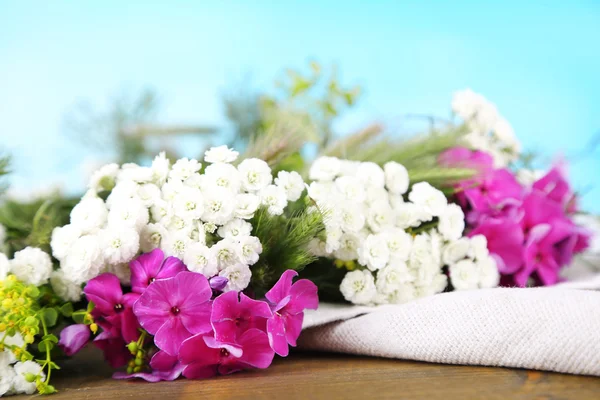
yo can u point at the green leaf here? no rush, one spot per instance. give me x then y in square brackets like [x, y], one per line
[45, 346]
[78, 318]
[51, 338]
[66, 310]
[49, 316]
[90, 306]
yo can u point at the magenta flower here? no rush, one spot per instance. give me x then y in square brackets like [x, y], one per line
[114, 349]
[288, 304]
[73, 338]
[112, 309]
[164, 368]
[174, 309]
[555, 186]
[205, 357]
[152, 266]
[461, 157]
[231, 318]
[505, 240]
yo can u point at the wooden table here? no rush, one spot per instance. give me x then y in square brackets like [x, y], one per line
[331, 376]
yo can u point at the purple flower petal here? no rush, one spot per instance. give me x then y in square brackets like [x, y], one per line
[170, 336]
[144, 269]
[73, 338]
[293, 327]
[257, 351]
[282, 287]
[276, 335]
[171, 267]
[147, 376]
[195, 350]
[195, 371]
[304, 295]
[105, 292]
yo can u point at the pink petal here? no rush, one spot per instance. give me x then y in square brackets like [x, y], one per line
[256, 308]
[129, 326]
[293, 327]
[170, 336]
[225, 311]
[195, 371]
[195, 350]
[304, 295]
[73, 338]
[105, 292]
[234, 350]
[171, 267]
[257, 351]
[276, 335]
[194, 295]
[147, 376]
[114, 349]
[166, 366]
[282, 287]
[144, 268]
[153, 307]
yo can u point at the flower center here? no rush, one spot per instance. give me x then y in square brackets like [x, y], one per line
[150, 280]
[118, 307]
[175, 310]
[224, 353]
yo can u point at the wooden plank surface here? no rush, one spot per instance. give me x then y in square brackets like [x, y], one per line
[331, 376]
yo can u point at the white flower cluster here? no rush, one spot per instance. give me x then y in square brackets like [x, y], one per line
[30, 265]
[489, 131]
[200, 218]
[470, 264]
[367, 219]
[12, 373]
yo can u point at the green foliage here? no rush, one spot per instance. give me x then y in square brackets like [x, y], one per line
[4, 170]
[285, 240]
[31, 223]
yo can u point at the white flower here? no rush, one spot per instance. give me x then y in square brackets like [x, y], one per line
[464, 275]
[189, 204]
[65, 288]
[255, 174]
[135, 173]
[148, 193]
[171, 189]
[7, 377]
[374, 252]
[350, 216]
[358, 287]
[456, 251]
[411, 215]
[218, 205]
[210, 227]
[161, 211]
[380, 216]
[250, 249]
[348, 248]
[396, 200]
[220, 154]
[123, 190]
[160, 168]
[21, 385]
[15, 340]
[506, 135]
[466, 103]
[226, 253]
[151, 237]
[399, 243]
[84, 260]
[351, 188]
[437, 284]
[4, 266]
[104, 178]
[199, 258]
[176, 243]
[121, 271]
[235, 229]
[238, 277]
[184, 168]
[431, 199]
[89, 215]
[396, 177]
[274, 198]
[333, 235]
[318, 247]
[324, 169]
[195, 181]
[452, 222]
[119, 244]
[31, 265]
[424, 261]
[489, 276]
[376, 194]
[405, 293]
[198, 233]
[479, 249]
[246, 205]
[223, 175]
[370, 174]
[292, 183]
[391, 277]
[129, 213]
[62, 240]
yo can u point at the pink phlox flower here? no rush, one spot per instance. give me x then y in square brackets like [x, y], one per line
[174, 309]
[151, 266]
[288, 302]
[231, 317]
[164, 368]
[205, 357]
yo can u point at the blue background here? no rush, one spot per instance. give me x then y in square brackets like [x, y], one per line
[539, 62]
